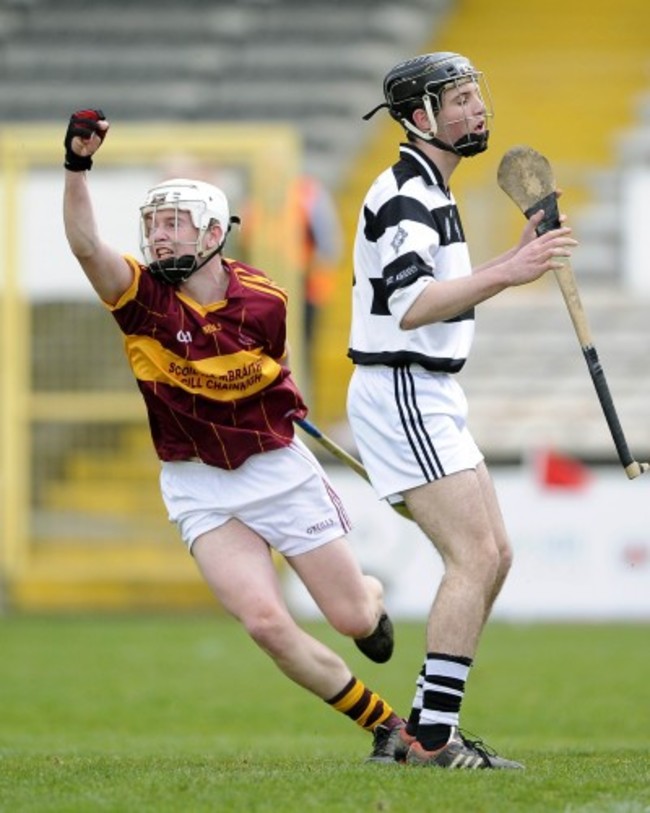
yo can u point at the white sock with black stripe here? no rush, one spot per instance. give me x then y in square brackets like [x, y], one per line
[443, 691]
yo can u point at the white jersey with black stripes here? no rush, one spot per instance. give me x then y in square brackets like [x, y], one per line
[406, 409]
[409, 235]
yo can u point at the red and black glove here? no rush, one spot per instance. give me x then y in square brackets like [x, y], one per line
[83, 123]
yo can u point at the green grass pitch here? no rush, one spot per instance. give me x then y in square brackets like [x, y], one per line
[184, 714]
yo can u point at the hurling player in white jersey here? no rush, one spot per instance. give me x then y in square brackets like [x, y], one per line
[414, 296]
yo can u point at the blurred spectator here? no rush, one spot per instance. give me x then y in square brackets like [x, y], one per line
[319, 251]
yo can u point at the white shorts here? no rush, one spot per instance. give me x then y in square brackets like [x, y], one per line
[409, 426]
[283, 495]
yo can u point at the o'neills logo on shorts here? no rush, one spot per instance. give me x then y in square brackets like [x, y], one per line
[320, 526]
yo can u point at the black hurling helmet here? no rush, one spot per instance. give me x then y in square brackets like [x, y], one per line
[420, 82]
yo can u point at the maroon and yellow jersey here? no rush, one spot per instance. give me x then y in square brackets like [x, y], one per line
[211, 376]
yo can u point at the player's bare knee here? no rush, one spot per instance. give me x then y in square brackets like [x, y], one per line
[505, 560]
[490, 563]
[268, 627]
[479, 562]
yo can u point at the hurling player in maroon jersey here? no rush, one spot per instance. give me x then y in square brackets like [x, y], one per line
[206, 340]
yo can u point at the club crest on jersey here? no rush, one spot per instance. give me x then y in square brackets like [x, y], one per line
[184, 336]
[398, 240]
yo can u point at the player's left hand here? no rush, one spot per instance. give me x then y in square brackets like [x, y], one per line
[84, 136]
[530, 229]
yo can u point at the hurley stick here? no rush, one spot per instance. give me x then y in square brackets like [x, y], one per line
[526, 176]
[344, 457]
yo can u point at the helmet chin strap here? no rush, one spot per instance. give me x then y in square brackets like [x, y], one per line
[465, 147]
[174, 270]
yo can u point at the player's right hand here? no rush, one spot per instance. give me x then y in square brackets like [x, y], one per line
[84, 136]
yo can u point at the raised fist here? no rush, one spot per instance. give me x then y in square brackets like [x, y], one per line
[88, 127]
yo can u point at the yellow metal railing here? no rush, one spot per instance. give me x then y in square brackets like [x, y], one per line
[14, 330]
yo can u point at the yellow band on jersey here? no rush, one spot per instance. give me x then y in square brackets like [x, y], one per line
[222, 378]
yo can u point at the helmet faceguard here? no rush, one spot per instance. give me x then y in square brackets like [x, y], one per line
[420, 83]
[206, 205]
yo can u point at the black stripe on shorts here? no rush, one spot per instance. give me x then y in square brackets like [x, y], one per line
[413, 424]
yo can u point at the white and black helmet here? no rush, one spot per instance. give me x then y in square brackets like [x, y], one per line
[419, 83]
[206, 204]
